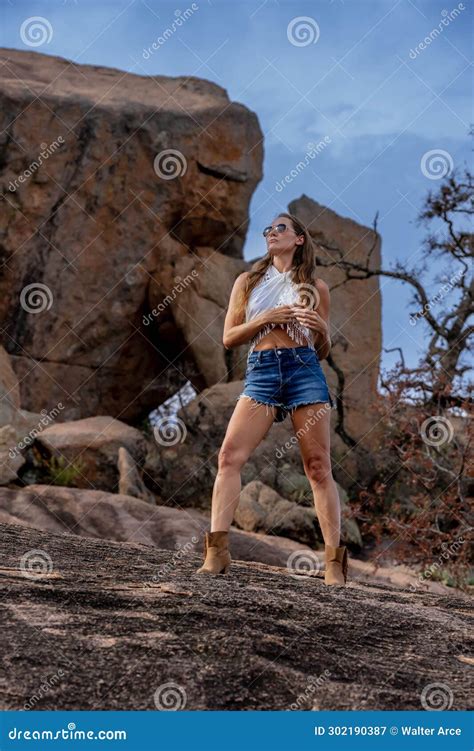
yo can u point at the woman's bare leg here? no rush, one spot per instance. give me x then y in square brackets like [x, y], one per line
[311, 423]
[249, 424]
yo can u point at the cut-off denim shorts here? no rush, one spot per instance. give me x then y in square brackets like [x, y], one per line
[285, 378]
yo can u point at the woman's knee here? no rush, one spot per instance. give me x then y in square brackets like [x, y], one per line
[318, 468]
[230, 457]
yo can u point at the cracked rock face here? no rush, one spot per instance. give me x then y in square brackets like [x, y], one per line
[123, 194]
[106, 625]
[121, 234]
[356, 317]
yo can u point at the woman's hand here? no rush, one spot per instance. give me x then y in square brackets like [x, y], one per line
[280, 314]
[311, 319]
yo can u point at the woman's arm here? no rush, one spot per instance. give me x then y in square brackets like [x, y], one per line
[237, 332]
[322, 341]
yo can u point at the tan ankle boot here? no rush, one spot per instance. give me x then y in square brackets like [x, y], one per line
[336, 565]
[216, 551]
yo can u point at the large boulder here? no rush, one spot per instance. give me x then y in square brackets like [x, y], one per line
[356, 319]
[191, 450]
[122, 231]
[108, 516]
[130, 480]
[112, 623]
[261, 509]
[18, 427]
[91, 448]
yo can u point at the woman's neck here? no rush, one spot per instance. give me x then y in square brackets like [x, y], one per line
[280, 264]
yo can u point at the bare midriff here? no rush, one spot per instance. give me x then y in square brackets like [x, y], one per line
[277, 337]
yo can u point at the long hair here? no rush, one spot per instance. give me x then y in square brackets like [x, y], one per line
[303, 268]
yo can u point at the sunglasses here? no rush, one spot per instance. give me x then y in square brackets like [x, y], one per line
[280, 228]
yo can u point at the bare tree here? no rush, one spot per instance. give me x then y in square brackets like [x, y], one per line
[440, 376]
[420, 495]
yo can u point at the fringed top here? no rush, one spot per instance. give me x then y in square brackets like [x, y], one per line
[275, 289]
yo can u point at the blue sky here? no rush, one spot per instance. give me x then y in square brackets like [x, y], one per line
[356, 84]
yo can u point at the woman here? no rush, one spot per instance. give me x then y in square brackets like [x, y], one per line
[287, 338]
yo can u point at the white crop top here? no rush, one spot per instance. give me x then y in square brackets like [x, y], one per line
[275, 289]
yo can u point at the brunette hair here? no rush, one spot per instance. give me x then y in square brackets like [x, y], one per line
[303, 269]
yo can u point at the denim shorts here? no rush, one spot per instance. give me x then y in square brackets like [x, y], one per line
[286, 378]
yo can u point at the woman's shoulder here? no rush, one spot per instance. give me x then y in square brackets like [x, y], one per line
[241, 280]
[321, 286]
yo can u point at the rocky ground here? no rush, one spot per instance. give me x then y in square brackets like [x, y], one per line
[108, 625]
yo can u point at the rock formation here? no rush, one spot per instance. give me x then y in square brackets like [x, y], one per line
[91, 446]
[124, 215]
[130, 480]
[356, 318]
[110, 516]
[125, 211]
[104, 625]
